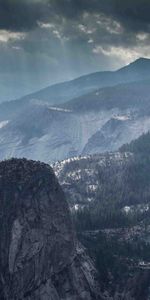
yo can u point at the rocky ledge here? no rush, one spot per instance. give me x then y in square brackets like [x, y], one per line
[40, 257]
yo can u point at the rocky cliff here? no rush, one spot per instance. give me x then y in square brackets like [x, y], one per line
[40, 257]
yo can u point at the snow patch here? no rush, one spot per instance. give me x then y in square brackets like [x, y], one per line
[76, 207]
[3, 123]
[121, 117]
[127, 209]
[93, 187]
[60, 109]
[139, 207]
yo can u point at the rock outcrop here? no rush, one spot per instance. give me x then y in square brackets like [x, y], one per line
[40, 257]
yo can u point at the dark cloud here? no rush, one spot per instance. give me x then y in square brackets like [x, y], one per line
[46, 41]
[133, 14]
[24, 14]
[18, 15]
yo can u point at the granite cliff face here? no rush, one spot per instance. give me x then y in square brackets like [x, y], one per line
[40, 257]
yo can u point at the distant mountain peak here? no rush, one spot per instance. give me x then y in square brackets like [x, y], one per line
[141, 61]
[141, 64]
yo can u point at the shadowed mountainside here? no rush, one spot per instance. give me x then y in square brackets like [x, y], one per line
[40, 257]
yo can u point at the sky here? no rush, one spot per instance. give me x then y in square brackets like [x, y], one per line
[47, 41]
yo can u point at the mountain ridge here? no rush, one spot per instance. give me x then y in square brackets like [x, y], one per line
[43, 131]
[48, 133]
[57, 90]
[88, 76]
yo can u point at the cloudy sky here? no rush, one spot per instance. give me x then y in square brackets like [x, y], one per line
[47, 41]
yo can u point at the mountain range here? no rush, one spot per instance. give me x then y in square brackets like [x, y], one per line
[95, 133]
[92, 114]
[65, 91]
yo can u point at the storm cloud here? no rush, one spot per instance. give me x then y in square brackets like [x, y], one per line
[25, 14]
[46, 41]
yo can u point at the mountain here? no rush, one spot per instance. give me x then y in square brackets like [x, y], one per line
[39, 132]
[140, 146]
[62, 92]
[100, 121]
[122, 96]
[139, 68]
[122, 177]
[40, 257]
[109, 197]
[111, 136]
[65, 91]
[85, 179]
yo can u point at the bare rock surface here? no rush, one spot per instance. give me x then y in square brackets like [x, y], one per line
[40, 257]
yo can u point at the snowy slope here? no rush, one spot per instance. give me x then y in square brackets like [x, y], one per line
[97, 122]
[49, 134]
[79, 176]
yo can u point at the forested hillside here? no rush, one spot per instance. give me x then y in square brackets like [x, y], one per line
[109, 196]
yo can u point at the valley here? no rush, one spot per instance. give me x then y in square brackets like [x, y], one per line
[109, 198]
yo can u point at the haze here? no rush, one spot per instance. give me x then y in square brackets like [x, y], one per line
[44, 42]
